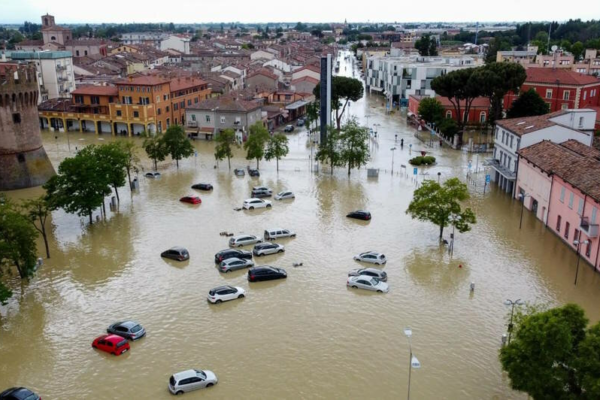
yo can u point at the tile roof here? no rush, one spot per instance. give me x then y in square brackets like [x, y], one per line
[185, 83]
[97, 90]
[521, 126]
[563, 76]
[225, 103]
[482, 102]
[307, 79]
[143, 80]
[264, 72]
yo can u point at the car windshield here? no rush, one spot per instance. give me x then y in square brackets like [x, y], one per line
[121, 343]
[136, 328]
[201, 374]
[374, 281]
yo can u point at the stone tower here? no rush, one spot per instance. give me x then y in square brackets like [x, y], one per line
[23, 160]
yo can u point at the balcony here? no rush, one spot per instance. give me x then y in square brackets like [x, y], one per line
[504, 171]
[61, 67]
[192, 124]
[591, 230]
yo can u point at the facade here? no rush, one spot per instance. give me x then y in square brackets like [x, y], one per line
[478, 113]
[308, 70]
[264, 78]
[262, 55]
[147, 38]
[55, 72]
[23, 160]
[590, 65]
[512, 135]
[562, 89]
[52, 33]
[560, 183]
[304, 85]
[216, 114]
[176, 42]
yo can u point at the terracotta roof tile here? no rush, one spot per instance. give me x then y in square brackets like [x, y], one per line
[97, 90]
[565, 77]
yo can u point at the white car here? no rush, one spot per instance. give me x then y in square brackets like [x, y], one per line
[367, 283]
[277, 233]
[251, 204]
[233, 264]
[285, 195]
[192, 379]
[243, 240]
[381, 275]
[152, 175]
[261, 189]
[263, 249]
[225, 293]
[371, 257]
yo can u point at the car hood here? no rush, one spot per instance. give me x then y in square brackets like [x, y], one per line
[210, 376]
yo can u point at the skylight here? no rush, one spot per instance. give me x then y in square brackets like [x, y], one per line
[529, 127]
[520, 123]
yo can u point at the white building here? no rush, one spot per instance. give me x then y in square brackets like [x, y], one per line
[181, 44]
[400, 77]
[55, 71]
[147, 38]
[262, 55]
[514, 134]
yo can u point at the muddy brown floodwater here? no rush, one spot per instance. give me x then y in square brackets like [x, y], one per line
[304, 337]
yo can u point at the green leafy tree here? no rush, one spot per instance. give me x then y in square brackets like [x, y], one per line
[132, 160]
[112, 160]
[312, 114]
[431, 110]
[354, 145]
[37, 211]
[496, 44]
[553, 356]
[448, 127]
[343, 90]
[498, 80]
[177, 144]
[330, 150]
[277, 148]
[5, 293]
[528, 104]
[440, 204]
[155, 149]
[224, 148]
[255, 144]
[426, 45]
[17, 242]
[577, 50]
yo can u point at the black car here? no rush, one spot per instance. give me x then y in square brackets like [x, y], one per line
[128, 329]
[202, 186]
[261, 193]
[230, 253]
[289, 128]
[253, 172]
[265, 273]
[176, 253]
[19, 393]
[360, 214]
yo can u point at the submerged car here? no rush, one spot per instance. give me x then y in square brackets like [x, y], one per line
[232, 253]
[202, 186]
[263, 249]
[191, 200]
[289, 128]
[225, 293]
[233, 264]
[381, 275]
[192, 379]
[176, 253]
[285, 195]
[113, 344]
[128, 329]
[19, 393]
[253, 172]
[256, 193]
[360, 214]
[251, 204]
[367, 283]
[300, 122]
[371, 257]
[266, 273]
[152, 174]
[278, 233]
[239, 172]
[243, 240]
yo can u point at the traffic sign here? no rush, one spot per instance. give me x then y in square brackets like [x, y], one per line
[415, 170]
[488, 179]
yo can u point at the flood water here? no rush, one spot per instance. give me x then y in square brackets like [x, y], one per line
[304, 337]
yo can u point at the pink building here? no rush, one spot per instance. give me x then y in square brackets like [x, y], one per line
[561, 185]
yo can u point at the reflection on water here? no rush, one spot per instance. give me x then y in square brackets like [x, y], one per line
[304, 337]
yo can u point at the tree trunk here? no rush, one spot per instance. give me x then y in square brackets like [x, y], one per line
[90, 215]
[104, 208]
[256, 162]
[117, 193]
[441, 231]
[45, 236]
[177, 162]
[129, 178]
[229, 162]
[19, 269]
[277, 164]
[349, 168]
[331, 168]
[155, 165]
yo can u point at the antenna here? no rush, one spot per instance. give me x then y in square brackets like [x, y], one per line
[476, 32]
[549, 33]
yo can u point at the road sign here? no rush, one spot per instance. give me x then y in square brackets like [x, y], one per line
[470, 165]
[196, 153]
[415, 170]
[488, 179]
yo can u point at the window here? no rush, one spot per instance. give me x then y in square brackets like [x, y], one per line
[196, 100]
[562, 194]
[588, 248]
[580, 207]
[594, 212]
[158, 99]
[222, 120]
[189, 102]
[193, 117]
[85, 52]
[576, 235]
[158, 111]
[567, 227]
[167, 109]
[564, 106]
[168, 123]
[118, 113]
[566, 95]
[558, 222]
[136, 114]
[76, 53]
[511, 141]
[571, 198]
[166, 97]
[95, 99]
[207, 118]
[175, 107]
[16, 118]
[580, 122]
[548, 93]
[449, 115]
[482, 117]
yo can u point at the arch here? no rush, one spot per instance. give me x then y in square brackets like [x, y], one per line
[46, 21]
[482, 116]
[27, 98]
[20, 99]
[53, 38]
[37, 96]
[448, 114]
[14, 99]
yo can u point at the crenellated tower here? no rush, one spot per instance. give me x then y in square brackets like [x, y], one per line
[23, 160]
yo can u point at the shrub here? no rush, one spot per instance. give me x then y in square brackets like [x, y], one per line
[420, 160]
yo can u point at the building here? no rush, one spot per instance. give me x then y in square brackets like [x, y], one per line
[560, 184]
[305, 84]
[226, 112]
[23, 160]
[176, 42]
[52, 33]
[307, 70]
[478, 113]
[147, 38]
[56, 77]
[590, 65]
[186, 92]
[562, 89]
[512, 135]
[262, 77]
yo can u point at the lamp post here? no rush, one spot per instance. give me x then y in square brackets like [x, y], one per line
[412, 360]
[393, 149]
[511, 303]
[522, 197]
[375, 130]
[453, 219]
[578, 243]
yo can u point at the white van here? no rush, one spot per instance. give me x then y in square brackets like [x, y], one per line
[277, 233]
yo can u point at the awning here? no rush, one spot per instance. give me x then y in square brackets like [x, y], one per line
[375, 88]
[207, 129]
[296, 105]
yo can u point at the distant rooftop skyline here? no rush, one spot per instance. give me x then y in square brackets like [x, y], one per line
[262, 11]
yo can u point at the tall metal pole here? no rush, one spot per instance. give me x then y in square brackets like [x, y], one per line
[522, 207]
[409, 367]
[578, 259]
[510, 325]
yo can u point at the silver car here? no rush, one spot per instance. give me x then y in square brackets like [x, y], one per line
[192, 379]
[243, 240]
[371, 257]
[367, 283]
[285, 195]
[381, 275]
[233, 264]
[262, 249]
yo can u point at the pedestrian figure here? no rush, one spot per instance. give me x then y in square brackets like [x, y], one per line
[396, 137]
[401, 143]
[441, 142]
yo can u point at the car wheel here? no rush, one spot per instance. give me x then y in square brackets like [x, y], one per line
[280, 251]
[178, 393]
[241, 296]
[94, 346]
[268, 206]
[227, 271]
[209, 385]
[252, 208]
[260, 254]
[379, 291]
[240, 245]
[354, 287]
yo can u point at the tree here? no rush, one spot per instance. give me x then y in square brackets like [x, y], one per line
[329, 151]
[17, 241]
[156, 149]
[440, 204]
[426, 45]
[37, 211]
[225, 141]
[553, 356]
[132, 159]
[431, 110]
[255, 144]
[496, 44]
[354, 145]
[528, 104]
[312, 114]
[277, 148]
[5, 293]
[577, 49]
[498, 80]
[113, 162]
[448, 127]
[343, 90]
[177, 144]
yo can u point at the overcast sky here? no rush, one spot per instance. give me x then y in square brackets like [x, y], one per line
[185, 11]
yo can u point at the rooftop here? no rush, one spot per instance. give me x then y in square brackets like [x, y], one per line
[558, 76]
[97, 90]
[226, 103]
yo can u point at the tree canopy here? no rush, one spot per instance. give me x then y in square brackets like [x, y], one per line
[155, 149]
[528, 104]
[354, 145]
[224, 148]
[431, 110]
[17, 243]
[498, 80]
[343, 90]
[255, 144]
[177, 144]
[440, 204]
[112, 160]
[37, 211]
[277, 148]
[427, 45]
[330, 150]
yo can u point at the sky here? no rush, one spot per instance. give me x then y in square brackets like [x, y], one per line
[248, 11]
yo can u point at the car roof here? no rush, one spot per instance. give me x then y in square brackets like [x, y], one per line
[372, 270]
[17, 392]
[242, 235]
[232, 259]
[263, 244]
[178, 248]
[126, 324]
[113, 338]
[276, 229]
[185, 374]
[264, 267]
[223, 287]
[252, 199]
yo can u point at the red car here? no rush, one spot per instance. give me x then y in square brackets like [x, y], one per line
[191, 200]
[112, 344]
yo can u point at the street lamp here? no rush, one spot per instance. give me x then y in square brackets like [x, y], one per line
[578, 243]
[522, 197]
[376, 126]
[453, 219]
[393, 149]
[412, 360]
[512, 304]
